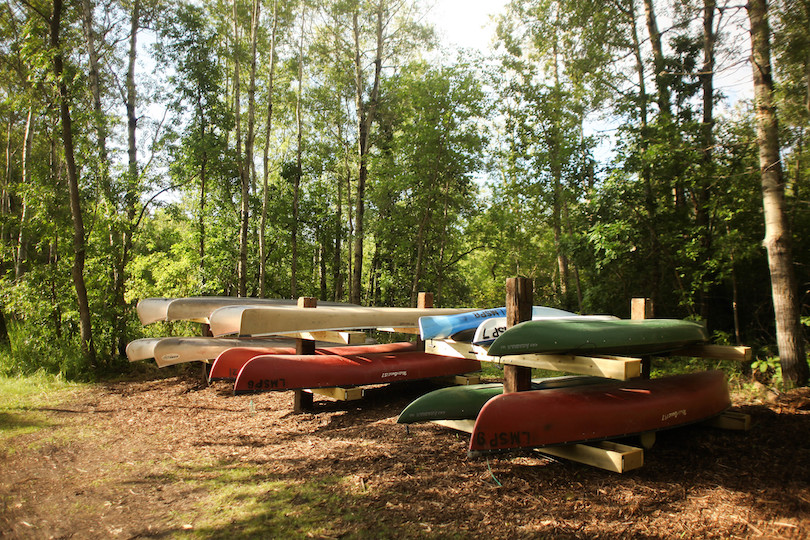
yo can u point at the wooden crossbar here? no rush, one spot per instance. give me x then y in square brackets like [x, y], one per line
[606, 455]
[339, 393]
[731, 420]
[401, 330]
[614, 367]
[718, 352]
[330, 336]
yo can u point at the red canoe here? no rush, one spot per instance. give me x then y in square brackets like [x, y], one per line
[230, 361]
[290, 372]
[591, 413]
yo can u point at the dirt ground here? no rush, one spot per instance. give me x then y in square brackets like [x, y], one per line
[149, 459]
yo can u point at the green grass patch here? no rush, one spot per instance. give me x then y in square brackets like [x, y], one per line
[244, 502]
[23, 398]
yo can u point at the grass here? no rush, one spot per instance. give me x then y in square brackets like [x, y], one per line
[244, 501]
[22, 398]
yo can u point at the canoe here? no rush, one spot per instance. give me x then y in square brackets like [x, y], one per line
[246, 320]
[440, 326]
[199, 308]
[141, 349]
[465, 402]
[599, 412]
[169, 351]
[229, 362]
[490, 329]
[629, 337]
[290, 372]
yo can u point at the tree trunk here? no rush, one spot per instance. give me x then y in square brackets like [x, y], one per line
[241, 267]
[266, 158]
[133, 175]
[298, 162]
[22, 241]
[703, 189]
[420, 250]
[777, 234]
[659, 65]
[366, 112]
[79, 248]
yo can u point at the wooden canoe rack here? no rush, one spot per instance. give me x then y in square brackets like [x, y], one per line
[330, 336]
[614, 367]
[607, 455]
[610, 455]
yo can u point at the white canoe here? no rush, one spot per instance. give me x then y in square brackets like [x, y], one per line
[199, 308]
[169, 351]
[252, 321]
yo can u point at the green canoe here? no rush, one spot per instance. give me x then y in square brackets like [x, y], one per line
[464, 402]
[646, 336]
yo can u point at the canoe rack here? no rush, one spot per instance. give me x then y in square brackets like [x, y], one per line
[610, 455]
[303, 400]
[607, 455]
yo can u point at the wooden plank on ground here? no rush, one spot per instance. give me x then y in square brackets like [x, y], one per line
[614, 367]
[731, 420]
[718, 352]
[339, 393]
[606, 455]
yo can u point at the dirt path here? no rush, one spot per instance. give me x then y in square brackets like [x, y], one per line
[174, 458]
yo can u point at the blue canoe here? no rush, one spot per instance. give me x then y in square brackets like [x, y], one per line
[444, 326]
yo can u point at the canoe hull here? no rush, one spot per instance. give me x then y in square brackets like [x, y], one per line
[199, 308]
[443, 326]
[465, 402]
[623, 337]
[291, 372]
[259, 321]
[592, 413]
[169, 351]
[229, 362]
[491, 329]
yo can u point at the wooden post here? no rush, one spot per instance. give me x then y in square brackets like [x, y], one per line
[303, 401]
[205, 331]
[519, 300]
[642, 308]
[424, 301]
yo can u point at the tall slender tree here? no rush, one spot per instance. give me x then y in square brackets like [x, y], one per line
[74, 197]
[778, 241]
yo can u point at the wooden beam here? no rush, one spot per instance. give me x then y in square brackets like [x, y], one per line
[401, 329]
[614, 367]
[330, 336]
[339, 393]
[719, 352]
[302, 400]
[641, 308]
[461, 380]
[519, 300]
[606, 455]
[731, 420]
[307, 302]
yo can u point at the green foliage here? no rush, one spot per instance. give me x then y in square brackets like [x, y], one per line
[479, 169]
[37, 348]
[769, 369]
